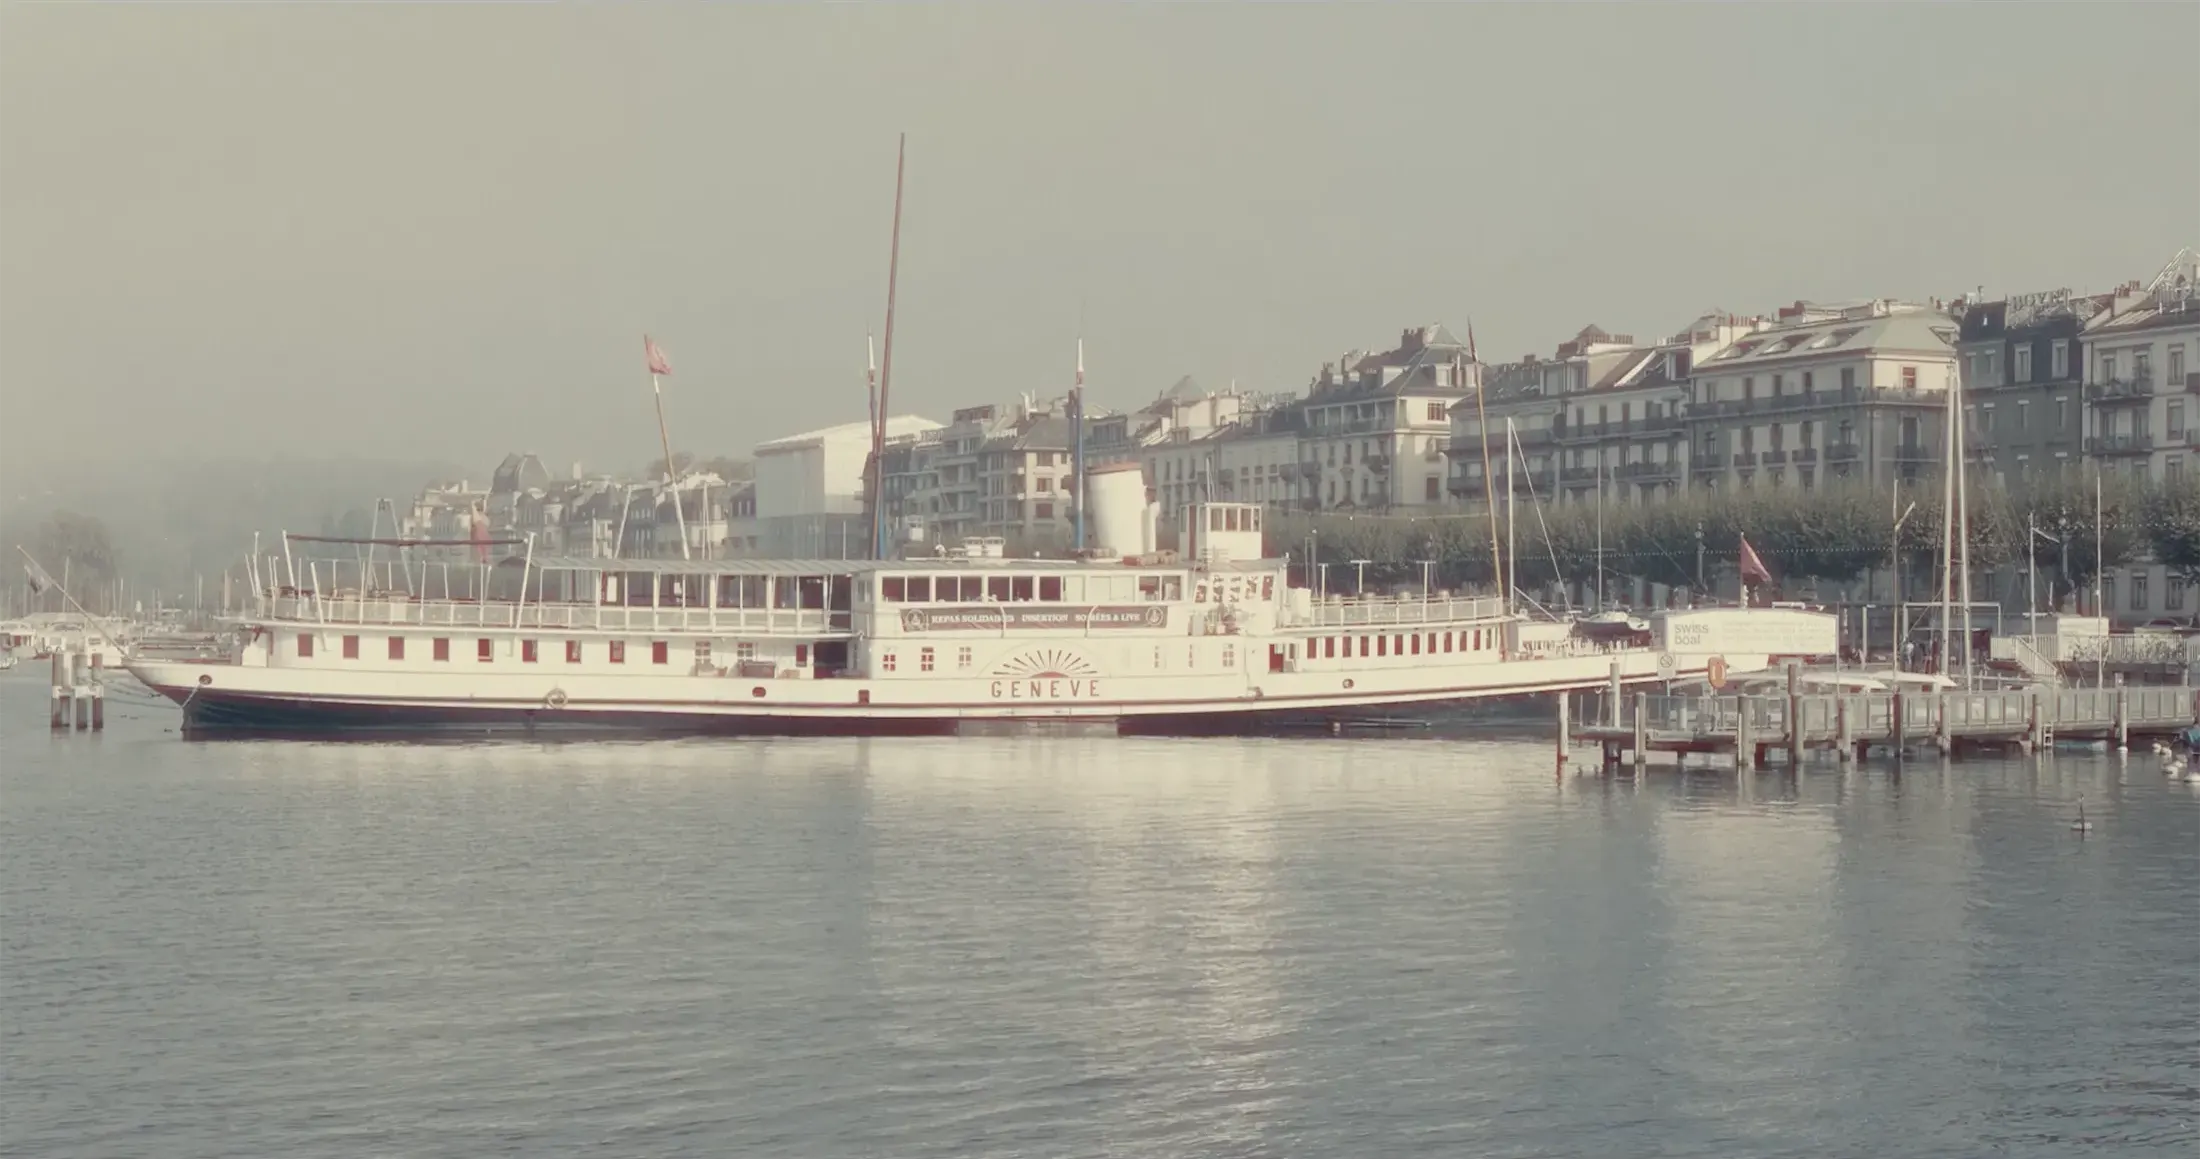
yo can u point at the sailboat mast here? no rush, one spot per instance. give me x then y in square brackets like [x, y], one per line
[1963, 527]
[886, 365]
[1948, 539]
[1512, 551]
[1489, 495]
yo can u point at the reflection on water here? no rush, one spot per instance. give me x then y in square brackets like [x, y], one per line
[1050, 946]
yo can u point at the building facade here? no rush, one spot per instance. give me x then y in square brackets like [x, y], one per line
[1377, 425]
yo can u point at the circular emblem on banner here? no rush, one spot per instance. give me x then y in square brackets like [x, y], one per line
[1714, 670]
[1665, 665]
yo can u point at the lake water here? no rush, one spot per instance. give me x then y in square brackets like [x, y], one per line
[1322, 947]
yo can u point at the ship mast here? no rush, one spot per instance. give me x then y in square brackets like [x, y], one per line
[886, 368]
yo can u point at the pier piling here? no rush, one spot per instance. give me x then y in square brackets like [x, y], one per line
[1844, 737]
[2123, 717]
[1794, 716]
[1565, 732]
[1642, 729]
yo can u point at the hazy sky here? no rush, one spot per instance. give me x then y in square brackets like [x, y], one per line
[440, 231]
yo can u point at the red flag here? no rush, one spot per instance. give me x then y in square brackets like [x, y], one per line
[1753, 568]
[655, 357]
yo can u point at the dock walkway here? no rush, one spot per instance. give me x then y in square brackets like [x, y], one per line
[1633, 725]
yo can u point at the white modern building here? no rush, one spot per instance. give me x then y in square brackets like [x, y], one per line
[809, 489]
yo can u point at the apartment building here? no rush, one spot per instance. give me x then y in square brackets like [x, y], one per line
[1824, 393]
[1521, 419]
[1377, 425]
[2141, 359]
[1252, 459]
[2021, 366]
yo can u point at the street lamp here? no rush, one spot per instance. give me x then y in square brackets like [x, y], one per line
[2032, 561]
[1359, 582]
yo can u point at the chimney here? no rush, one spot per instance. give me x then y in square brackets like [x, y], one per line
[577, 476]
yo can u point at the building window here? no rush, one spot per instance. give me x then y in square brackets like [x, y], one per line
[442, 648]
[2058, 359]
[1436, 412]
[1848, 378]
[572, 651]
[618, 652]
[397, 647]
[1229, 655]
[2177, 365]
[2177, 418]
[2024, 416]
[2062, 413]
[2108, 368]
[887, 662]
[1909, 378]
[1042, 511]
[485, 649]
[351, 647]
[2138, 593]
[745, 650]
[660, 652]
[2173, 594]
[305, 645]
[1430, 488]
[2021, 362]
[2108, 593]
[962, 656]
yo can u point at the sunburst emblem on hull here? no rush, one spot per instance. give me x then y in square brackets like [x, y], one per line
[1045, 664]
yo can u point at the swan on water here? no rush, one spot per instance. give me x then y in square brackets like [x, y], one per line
[2081, 825]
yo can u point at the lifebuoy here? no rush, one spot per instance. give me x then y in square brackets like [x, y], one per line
[1714, 671]
[556, 699]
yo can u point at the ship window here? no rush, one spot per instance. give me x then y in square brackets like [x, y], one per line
[659, 652]
[618, 652]
[801, 655]
[887, 661]
[924, 659]
[1073, 589]
[1478, 639]
[1398, 645]
[1214, 519]
[1252, 518]
[813, 592]
[1149, 587]
[397, 647]
[973, 589]
[1191, 655]
[1229, 655]
[1050, 588]
[637, 587]
[920, 589]
[1021, 586]
[572, 651]
[702, 653]
[1447, 641]
[962, 656]
[527, 652]
[745, 650]
[485, 649]
[743, 591]
[996, 588]
[351, 647]
[1157, 658]
[891, 589]
[305, 644]
[1382, 645]
[1363, 645]
[1432, 643]
[442, 648]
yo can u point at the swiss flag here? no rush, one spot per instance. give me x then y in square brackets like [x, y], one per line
[1753, 568]
[655, 356]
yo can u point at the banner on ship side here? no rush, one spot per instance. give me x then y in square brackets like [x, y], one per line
[1032, 618]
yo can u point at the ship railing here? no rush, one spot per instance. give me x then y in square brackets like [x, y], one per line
[1362, 613]
[557, 616]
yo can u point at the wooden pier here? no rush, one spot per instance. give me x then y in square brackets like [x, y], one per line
[1627, 727]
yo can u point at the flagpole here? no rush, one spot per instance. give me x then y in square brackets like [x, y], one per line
[671, 478]
[1077, 447]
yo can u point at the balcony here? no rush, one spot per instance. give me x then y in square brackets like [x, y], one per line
[1849, 396]
[2120, 445]
[1661, 424]
[1708, 463]
[1745, 458]
[1771, 458]
[1843, 452]
[1648, 470]
[1578, 475]
[2138, 388]
[1380, 464]
[1916, 453]
[1807, 455]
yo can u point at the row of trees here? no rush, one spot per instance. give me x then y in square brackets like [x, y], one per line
[1833, 535]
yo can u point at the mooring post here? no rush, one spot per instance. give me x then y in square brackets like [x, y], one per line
[76, 691]
[2034, 739]
[1843, 736]
[1898, 724]
[1642, 729]
[60, 693]
[99, 707]
[1745, 755]
[1612, 699]
[1563, 729]
[2123, 717]
[1795, 716]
